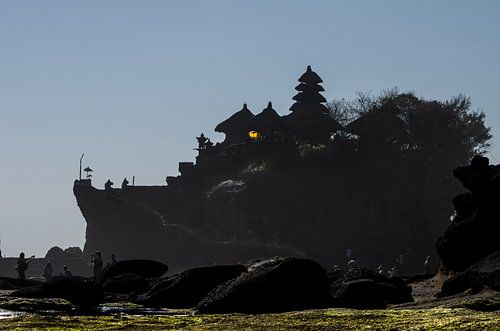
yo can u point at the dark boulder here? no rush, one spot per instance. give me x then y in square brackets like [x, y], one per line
[485, 272]
[126, 284]
[73, 253]
[474, 230]
[273, 285]
[188, 288]
[55, 252]
[455, 284]
[365, 288]
[7, 283]
[77, 290]
[143, 268]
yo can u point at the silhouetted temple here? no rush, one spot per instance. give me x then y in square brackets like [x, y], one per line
[235, 127]
[277, 185]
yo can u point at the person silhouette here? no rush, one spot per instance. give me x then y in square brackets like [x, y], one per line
[97, 262]
[427, 265]
[48, 271]
[124, 183]
[108, 185]
[67, 272]
[21, 266]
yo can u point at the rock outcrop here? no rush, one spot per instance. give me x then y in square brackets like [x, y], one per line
[367, 289]
[77, 290]
[272, 285]
[483, 273]
[188, 288]
[7, 283]
[474, 231]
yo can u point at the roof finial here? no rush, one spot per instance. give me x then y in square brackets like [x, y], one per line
[244, 105]
[270, 104]
[309, 68]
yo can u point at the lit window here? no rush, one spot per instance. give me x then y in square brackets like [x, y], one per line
[254, 135]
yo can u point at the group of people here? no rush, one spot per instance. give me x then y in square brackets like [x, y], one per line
[109, 184]
[48, 271]
[394, 271]
[97, 262]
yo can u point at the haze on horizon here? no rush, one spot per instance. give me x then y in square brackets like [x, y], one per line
[131, 83]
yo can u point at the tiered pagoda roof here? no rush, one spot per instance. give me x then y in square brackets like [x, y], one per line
[310, 118]
[309, 100]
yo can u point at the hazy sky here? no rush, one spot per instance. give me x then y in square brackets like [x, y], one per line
[131, 83]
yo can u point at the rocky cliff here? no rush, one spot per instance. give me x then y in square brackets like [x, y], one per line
[258, 200]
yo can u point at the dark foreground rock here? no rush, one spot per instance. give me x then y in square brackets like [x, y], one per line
[188, 288]
[273, 285]
[485, 272]
[77, 290]
[7, 283]
[367, 289]
[475, 228]
[143, 268]
[126, 284]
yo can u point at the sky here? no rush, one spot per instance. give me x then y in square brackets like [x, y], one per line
[132, 83]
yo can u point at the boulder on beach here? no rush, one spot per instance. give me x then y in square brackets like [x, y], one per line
[7, 283]
[77, 290]
[473, 234]
[483, 273]
[188, 288]
[126, 284]
[272, 285]
[364, 288]
[143, 268]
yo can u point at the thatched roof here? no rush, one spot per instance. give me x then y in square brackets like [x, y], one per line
[266, 121]
[236, 123]
[309, 87]
[310, 77]
[315, 97]
[308, 108]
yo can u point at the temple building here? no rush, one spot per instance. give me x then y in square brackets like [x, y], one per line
[235, 126]
[310, 118]
[266, 125]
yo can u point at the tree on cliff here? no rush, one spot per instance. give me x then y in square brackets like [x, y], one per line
[444, 133]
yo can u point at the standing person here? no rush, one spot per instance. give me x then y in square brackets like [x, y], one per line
[97, 262]
[66, 272]
[21, 266]
[48, 271]
[427, 265]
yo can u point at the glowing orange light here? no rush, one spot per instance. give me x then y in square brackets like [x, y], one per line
[254, 135]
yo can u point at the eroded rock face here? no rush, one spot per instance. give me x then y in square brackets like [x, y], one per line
[475, 228]
[127, 223]
[272, 285]
[188, 288]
